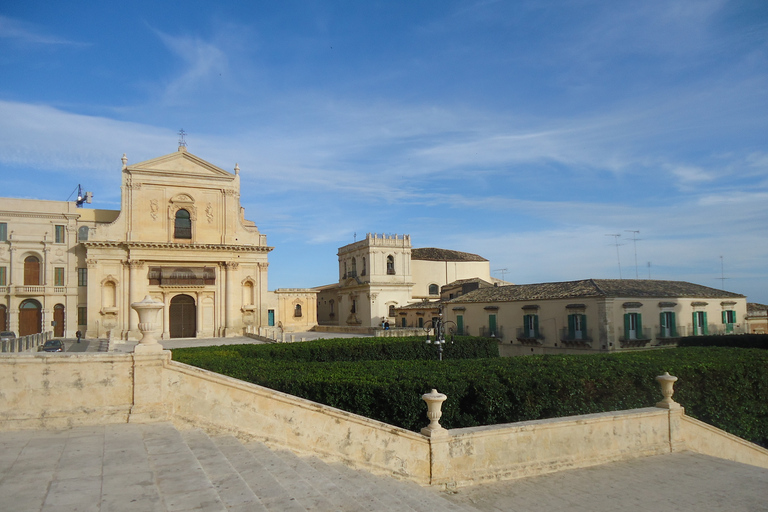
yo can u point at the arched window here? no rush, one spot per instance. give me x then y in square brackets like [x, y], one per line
[392, 311]
[183, 226]
[390, 265]
[297, 310]
[363, 272]
[82, 233]
[330, 305]
[31, 271]
[354, 268]
[434, 289]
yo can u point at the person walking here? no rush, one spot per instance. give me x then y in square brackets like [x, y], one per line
[79, 335]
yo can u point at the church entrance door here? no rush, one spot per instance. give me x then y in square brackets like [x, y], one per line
[30, 317]
[183, 317]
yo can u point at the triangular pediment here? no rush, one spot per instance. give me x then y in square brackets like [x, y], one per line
[180, 163]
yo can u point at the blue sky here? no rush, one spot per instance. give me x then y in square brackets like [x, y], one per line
[521, 131]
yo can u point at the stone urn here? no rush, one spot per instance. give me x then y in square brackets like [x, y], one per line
[147, 310]
[667, 382]
[434, 412]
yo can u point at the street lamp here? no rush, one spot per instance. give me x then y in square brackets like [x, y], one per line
[439, 327]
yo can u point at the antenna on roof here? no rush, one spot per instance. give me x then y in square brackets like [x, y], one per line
[634, 241]
[503, 271]
[649, 270]
[722, 274]
[617, 244]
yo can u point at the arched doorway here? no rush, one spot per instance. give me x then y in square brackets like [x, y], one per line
[58, 319]
[183, 317]
[3, 318]
[30, 317]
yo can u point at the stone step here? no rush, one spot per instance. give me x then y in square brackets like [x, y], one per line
[233, 490]
[370, 498]
[261, 481]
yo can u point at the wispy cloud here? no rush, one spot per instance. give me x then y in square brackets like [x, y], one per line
[30, 33]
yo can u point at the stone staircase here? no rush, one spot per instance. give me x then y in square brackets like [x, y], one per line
[155, 467]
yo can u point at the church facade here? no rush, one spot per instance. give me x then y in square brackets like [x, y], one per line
[180, 237]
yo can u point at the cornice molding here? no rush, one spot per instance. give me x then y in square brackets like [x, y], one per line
[174, 246]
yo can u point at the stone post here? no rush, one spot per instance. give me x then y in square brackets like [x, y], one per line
[434, 405]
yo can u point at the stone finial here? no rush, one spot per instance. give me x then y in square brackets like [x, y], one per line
[667, 382]
[125, 161]
[237, 169]
[434, 405]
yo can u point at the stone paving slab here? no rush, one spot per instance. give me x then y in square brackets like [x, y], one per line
[685, 481]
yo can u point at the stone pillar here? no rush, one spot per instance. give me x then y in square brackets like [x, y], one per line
[149, 404]
[229, 297]
[133, 296]
[166, 317]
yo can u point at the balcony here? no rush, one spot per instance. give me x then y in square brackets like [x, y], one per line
[530, 338]
[486, 332]
[576, 339]
[29, 290]
[638, 338]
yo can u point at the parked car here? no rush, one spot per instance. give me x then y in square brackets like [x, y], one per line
[53, 346]
[7, 336]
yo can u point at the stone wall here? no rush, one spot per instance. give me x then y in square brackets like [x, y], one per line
[64, 390]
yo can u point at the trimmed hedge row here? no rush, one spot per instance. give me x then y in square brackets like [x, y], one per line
[730, 340]
[352, 349]
[725, 387]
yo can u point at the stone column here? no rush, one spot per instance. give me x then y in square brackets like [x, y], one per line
[133, 296]
[166, 316]
[199, 313]
[229, 297]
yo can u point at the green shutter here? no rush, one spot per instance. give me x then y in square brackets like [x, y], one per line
[695, 326]
[492, 324]
[705, 326]
[460, 325]
[571, 327]
[673, 327]
[725, 319]
[526, 331]
[626, 326]
[535, 326]
[583, 326]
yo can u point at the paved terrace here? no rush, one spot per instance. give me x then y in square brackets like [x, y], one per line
[155, 467]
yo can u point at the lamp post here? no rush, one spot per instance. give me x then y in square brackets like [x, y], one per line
[439, 327]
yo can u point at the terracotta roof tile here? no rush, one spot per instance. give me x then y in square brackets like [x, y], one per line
[434, 254]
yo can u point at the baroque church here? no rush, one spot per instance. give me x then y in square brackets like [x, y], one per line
[180, 237]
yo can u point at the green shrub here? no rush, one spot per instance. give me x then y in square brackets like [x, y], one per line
[725, 387]
[729, 340]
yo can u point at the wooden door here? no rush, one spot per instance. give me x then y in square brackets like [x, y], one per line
[30, 317]
[183, 317]
[58, 318]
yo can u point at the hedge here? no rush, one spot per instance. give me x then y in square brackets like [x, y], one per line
[729, 340]
[352, 349]
[725, 387]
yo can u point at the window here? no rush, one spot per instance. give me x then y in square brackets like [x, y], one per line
[58, 276]
[492, 325]
[82, 233]
[82, 315]
[434, 289]
[421, 321]
[531, 326]
[330, 306]
[460, 325]
[390, 265]
[354, 306]
[59, 230]
[391, 310]
[82, 277]
[363, 272]
[353, 273]
[297, 310]
[31, 270]
[700, 323]
[729, 318]
[403, 322]
[183, 225]
[3, 231]
[3, 278]
[577, 327]
[667, 323]
[633, 326]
